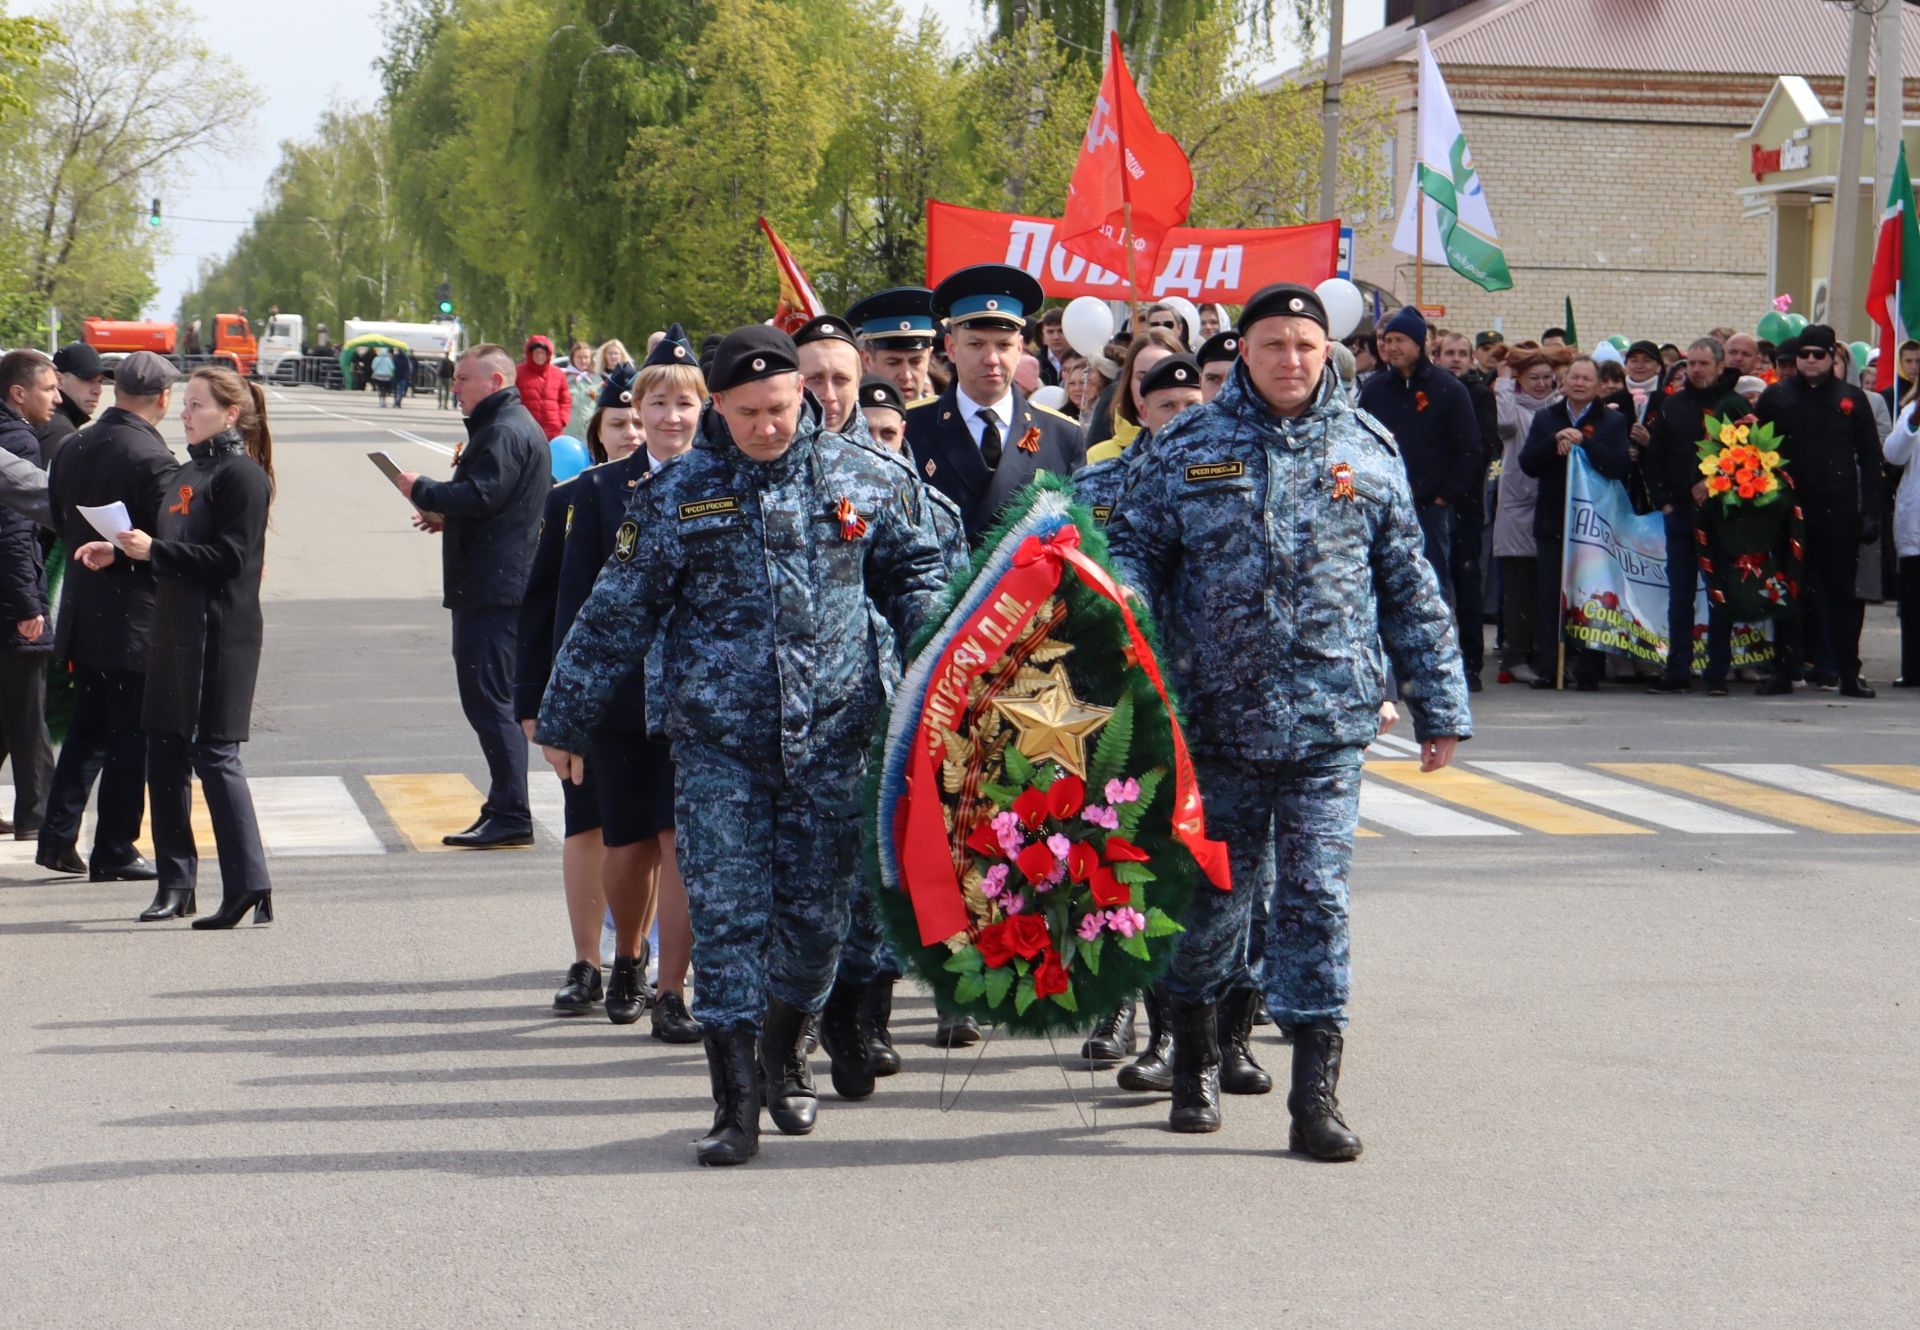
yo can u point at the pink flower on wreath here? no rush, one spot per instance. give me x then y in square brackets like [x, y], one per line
[1007, 827]
[1101, 816]
[1123, 791]
[1091, 925]
[995, 881]
[1014, 904]
[1126, 921]
[1060, 845]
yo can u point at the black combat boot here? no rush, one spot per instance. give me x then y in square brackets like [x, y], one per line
[955, 1032]
[1196, 1067]
[1112, 1039]
[735, 1137]
[1261, 1016]
[626, 990]
[846, 1043]
[1318, 1130]
[876, 1013]
[671, 1022]
[1152, 1071]
[785, 1078]
[1239, 1073]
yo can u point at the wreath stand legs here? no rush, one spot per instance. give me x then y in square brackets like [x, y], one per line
[948, 1105]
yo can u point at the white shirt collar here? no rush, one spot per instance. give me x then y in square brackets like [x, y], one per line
[970, 412]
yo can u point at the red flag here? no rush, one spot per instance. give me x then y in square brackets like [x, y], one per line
[798, 303]
[1131, 182]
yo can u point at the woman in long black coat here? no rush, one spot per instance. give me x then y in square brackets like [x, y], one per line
[204, 650]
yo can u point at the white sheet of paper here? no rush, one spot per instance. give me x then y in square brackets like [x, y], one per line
[109, 521]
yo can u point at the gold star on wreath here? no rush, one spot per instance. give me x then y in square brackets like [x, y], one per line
[1053, 723]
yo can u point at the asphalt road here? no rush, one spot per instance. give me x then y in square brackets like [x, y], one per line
[1638, 1075]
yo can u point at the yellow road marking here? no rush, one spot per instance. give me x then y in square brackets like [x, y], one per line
[427, 806]
[1888, 773]
[1492, 798]
[1758, 800]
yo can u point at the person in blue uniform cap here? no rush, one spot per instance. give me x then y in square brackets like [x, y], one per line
[896, 334]
[981, 440]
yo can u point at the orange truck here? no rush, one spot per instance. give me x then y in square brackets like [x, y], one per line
[233, 340]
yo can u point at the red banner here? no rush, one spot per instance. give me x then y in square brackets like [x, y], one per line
[1204, 265]
[1132, 183]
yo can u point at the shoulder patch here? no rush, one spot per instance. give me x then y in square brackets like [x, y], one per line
[1200, 471]
[1377, 430]
[919, 402]
[709, 507]
[626, 540]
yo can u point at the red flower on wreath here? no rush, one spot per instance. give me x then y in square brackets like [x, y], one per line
[1123, 851]
[1027, 935]
[1419, 401]
[1037, 862]
[1031, 808]
[1066, 796]
[1846, 406]
[994, 948]
[984, 842]
[1049, 977]
[1082, 860]
[1108, 890]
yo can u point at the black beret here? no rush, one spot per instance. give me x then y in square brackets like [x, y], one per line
[825, 328]
[672, 349]
[757, 351]
[618, 388]
[1817, 334]
[1175, 371]
[1283, 300]
[1223, 345]
[876, 391]
[1643, 348]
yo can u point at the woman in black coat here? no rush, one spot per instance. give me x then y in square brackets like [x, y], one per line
[203, 655]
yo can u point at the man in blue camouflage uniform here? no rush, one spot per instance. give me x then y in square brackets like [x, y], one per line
[1273, 534]
[756, 555]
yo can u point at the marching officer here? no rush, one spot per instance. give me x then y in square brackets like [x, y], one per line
[884, 408]
[753, 558]
[982, 440]
[1272, 532]
[896, 332]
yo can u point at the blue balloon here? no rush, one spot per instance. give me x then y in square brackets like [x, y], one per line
[570, 457]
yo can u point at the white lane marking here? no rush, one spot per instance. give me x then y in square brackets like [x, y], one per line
[547, 801]
[1403, 746]
[1828, 785]
[411, 437]
[1629, 800]
[1399, 811]
[305, 816]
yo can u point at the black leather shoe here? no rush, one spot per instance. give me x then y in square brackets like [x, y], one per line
[170, 903]
[1261, 1016]
[1855, 687]
[1778, 685]
[671, 1022]
[490, 835]
[1196, 1068]
[234, 908]
[1473, 683]
[1239, 1073]
[846, 1043]
[956, 1032]
[62, 860]
[1113, 1040]
[786, 1081]
[876, 1014]
[626, 990]
[1541, 681]
[19, 833]
[582, 989]
[136, 869]
[1152, 1071]
[735, 1135]
[1670, 686]
[1317, 1129]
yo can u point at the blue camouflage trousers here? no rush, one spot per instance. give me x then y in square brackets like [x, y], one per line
[865, 954]
[1291, 825]
[769, 882]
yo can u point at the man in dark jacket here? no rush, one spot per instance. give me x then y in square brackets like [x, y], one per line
[29, 397]
[102, 626]
[1470, 518]
[490, 513]
[1676, 423]
[1431, 417]
[1832, 452]
[82, 376]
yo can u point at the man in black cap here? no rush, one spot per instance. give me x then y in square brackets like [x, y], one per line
[896, 330]
[29, 398]
[1216, 357]
[82, 377]
[1832, 452]
[830, 367]
[101, 629]
[754, 559]
[982, 440]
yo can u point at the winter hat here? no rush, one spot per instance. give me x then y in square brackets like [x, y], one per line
[1407, 321]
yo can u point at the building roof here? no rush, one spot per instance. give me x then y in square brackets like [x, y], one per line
[1743, 37]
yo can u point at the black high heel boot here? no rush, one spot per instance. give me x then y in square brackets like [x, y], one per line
[1239, 1073]
[1152, 1071]
[785, 1078]
[731, 1070]
[234, 908]
[846, 1042]
[1196, 1068]
[169, 903]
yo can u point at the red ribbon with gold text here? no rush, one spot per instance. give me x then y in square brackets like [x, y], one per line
[926, 867]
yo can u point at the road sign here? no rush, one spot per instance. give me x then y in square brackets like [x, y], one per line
[1434, 311]
[1343, 266]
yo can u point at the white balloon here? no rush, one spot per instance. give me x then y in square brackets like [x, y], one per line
[1344, 304]
[1053, 396]
[1607, 354]
[1189, 314]
[1087, 324]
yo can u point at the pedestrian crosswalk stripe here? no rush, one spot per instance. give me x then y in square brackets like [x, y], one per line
[548, 802]
[427, 806]
[1509, 804]
[1828, 785]
[1398, 811]
[306, 816]
[1751, 797]
[1635, 801]
[1906, 775]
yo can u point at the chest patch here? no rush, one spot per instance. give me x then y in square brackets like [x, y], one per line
[1202, 471]
[709, 508]
[626, 540]
[1101, 512]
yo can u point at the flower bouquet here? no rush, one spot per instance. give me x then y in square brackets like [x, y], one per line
[1750, 531]
[1036, 817]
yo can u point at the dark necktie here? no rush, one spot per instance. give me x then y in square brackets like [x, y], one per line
[989, 439]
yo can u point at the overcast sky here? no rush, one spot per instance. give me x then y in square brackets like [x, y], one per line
[301, 56]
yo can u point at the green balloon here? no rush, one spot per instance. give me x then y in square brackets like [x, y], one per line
[1796, 324]
[1859, 350]
[1618, 343]
[1773, 327]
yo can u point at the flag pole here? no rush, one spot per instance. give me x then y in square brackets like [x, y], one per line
[1420, 210]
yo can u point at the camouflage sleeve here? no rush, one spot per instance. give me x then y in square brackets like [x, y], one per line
[1142, 537]
[1415, 625]
[950, 529]
[615, 626]
[906, 570]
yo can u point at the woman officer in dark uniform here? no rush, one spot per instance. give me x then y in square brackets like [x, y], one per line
[207, 550]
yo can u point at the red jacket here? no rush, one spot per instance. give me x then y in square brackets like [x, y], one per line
[543, 389]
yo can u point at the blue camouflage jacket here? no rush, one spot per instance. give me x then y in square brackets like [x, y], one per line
[1277, 555]
[761, 590]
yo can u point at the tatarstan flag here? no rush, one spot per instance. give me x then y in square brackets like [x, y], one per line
[1893, 292]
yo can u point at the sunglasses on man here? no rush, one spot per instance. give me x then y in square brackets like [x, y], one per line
[1814, 353]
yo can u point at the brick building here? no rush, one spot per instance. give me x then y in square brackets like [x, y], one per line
[1613, 140]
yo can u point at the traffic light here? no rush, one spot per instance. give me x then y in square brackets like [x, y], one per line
[153, 215]
[443, 297]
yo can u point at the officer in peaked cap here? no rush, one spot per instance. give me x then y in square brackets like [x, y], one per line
[896, 330]
[981, 440]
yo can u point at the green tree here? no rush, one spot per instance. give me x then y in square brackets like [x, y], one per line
[22, 42]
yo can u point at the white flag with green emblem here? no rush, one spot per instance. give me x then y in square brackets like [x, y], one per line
[1459, 227]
